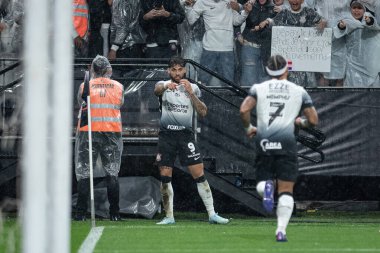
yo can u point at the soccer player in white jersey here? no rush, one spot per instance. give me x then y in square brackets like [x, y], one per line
[278, 104]
[179, 98]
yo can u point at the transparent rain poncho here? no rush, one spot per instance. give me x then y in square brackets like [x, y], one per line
[125, 28]
[191, 38]
[363, 51]
[107, 145]
[333, 12]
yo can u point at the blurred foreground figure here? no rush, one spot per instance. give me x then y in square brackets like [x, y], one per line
[106, 99]
[278, 103]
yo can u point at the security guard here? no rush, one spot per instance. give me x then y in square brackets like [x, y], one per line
[81, 25]
[106, 96]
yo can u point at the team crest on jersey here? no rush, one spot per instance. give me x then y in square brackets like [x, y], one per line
[158, 157]
[267, 145]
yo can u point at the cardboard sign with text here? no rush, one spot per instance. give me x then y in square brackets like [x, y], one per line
[305, 48]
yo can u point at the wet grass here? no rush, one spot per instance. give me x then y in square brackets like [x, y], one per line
[308, 232]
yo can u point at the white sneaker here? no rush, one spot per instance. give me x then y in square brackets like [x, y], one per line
[216, 219]
[166, 221]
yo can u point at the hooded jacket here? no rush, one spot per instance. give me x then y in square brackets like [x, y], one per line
[258, 14]
[219, 20]
[125, 27]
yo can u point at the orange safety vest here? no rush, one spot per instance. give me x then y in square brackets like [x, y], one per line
[80, 17]
[106, 97]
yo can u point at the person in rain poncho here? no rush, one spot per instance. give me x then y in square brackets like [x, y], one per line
[333, 11]
[191, 41]
[362, 34]
[127, 36]
[107, 96]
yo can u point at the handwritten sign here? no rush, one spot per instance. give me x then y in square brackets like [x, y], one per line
[305, 47]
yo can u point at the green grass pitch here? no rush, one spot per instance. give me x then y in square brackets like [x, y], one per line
[339, 232]
[308, 232]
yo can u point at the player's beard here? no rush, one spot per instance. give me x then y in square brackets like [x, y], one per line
[176, 78]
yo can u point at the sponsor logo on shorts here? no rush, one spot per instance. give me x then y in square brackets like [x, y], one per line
[194, 156]
[158, 157]
[267, 145]
[174, 127]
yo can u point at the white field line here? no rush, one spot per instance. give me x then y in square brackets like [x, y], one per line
[92, 238]
[177, 226]
[153, 226]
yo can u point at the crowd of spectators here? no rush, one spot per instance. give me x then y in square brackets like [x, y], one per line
[11, 19]
[230, 37]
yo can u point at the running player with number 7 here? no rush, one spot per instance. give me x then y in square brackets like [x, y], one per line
[278, 104]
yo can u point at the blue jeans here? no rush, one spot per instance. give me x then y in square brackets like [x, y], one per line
[252, 68]
[221, 62]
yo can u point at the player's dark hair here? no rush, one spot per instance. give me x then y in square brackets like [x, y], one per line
[176, 60]
[276, 62]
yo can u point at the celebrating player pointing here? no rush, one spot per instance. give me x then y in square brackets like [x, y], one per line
[178, 99]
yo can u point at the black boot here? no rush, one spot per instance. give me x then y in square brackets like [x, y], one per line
[115, 217]
[82, 202]
[113, 197]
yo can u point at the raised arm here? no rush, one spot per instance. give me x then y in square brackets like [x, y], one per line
[161, 87]
[239, 18]
[199, 106]
[193, 11]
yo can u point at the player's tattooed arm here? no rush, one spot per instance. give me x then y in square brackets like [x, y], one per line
[199, 106]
